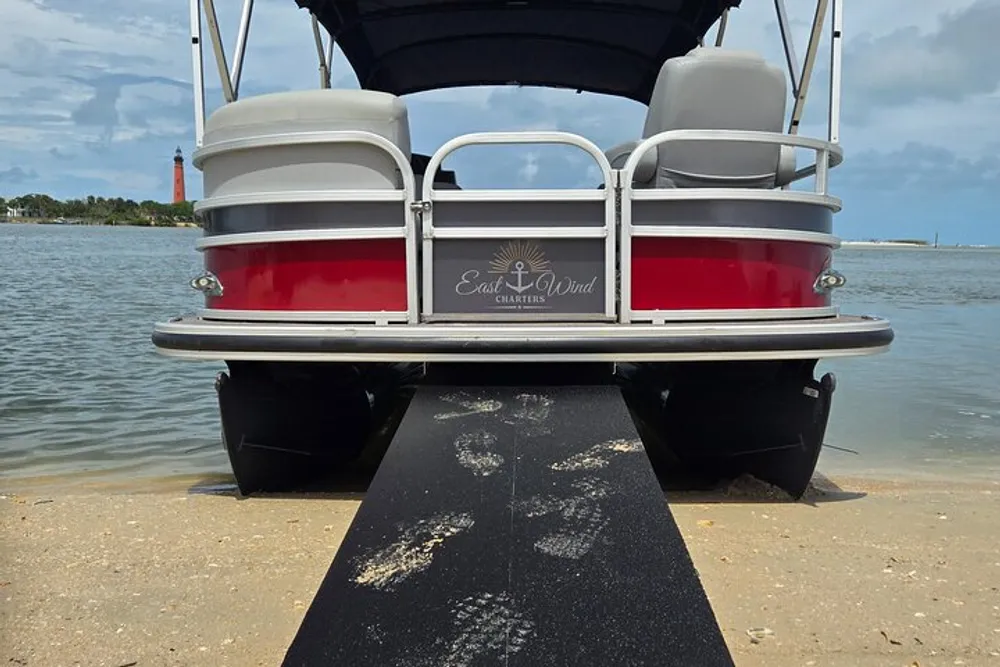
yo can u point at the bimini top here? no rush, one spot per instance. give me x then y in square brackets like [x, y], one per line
[604, 46]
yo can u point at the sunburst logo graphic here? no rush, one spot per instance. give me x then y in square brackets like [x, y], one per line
[519, 256]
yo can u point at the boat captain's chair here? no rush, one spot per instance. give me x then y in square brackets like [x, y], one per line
[713, 88]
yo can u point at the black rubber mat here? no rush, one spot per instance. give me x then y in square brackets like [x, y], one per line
[512, 526]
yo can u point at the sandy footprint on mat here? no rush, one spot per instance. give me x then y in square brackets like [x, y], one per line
[538, 506]
[472, 405]
[584, 523]
[583, 520]
[474, 451]
[598, 456]
[487, 624]
[592, 487]
[413, 552]
[530, 413]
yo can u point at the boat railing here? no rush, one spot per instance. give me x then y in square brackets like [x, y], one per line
[513, 255]
[271, 171]
[472, 239]
[827, 154]
[775, 215]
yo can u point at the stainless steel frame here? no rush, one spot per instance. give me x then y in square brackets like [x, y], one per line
[723, 22]
[405, 196]
[807, 67]
[198, 74]
[733, 314]
[379, 318]
[486, 197]
[785, 26]
[828, 155]
[228, 79]
[220, 55]
[325, 59]
[241, 46]
[351, 234]
[836, 67]
[617, 188]
[799, 78]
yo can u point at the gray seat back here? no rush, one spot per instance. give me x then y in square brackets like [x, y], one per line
[309, 166]
[718, 89]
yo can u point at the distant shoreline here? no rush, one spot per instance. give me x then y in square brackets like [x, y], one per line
[918, 245]
[889, 244]
[98, 223]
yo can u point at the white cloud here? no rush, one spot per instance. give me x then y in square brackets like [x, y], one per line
[127, 181]
[17, 175]
[953, 60]
[97, 93]
[40, 38]
[529, 170]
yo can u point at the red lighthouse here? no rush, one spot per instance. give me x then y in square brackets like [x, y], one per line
[179, 177]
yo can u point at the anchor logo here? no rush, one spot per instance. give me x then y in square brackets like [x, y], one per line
[520, 272]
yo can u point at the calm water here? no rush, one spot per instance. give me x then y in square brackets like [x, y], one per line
[82, 390]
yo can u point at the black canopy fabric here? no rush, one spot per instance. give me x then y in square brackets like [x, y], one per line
[604, 46]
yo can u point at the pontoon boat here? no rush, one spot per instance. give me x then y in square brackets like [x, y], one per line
[342, 269]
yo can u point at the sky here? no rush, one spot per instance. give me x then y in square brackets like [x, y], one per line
[97, 95]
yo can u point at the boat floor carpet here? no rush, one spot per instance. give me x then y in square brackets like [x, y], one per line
[512, 526]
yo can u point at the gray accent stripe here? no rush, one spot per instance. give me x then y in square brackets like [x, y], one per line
[304, 215]
[795, 216]
[523, 213]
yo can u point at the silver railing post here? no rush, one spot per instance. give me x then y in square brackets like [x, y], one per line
[836, 64]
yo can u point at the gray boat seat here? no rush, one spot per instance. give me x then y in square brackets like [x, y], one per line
[644, 171]
[306, 166]
[713, 88]
[444, 179]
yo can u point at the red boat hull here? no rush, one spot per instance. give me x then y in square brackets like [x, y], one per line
[713, 273]
[340, 276]
[668, 274]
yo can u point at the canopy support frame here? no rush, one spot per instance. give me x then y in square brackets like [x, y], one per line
[723, 22]
[808, 66]
[325, 59]
[230, 78]
[241, 47]
[220, 53]
[788, 43]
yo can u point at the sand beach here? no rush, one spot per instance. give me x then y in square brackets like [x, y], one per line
[861, 572]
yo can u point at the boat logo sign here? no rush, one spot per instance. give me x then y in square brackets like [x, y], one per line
[521, 276]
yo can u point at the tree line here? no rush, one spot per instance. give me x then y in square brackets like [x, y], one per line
[100, 210]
